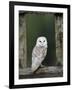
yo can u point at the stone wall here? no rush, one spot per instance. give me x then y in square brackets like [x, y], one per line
[22, 42]
[59, 38]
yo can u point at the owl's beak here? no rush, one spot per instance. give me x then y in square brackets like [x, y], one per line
[42, 46]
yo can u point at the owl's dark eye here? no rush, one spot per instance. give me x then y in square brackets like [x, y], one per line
[44, 41]
[39, 41]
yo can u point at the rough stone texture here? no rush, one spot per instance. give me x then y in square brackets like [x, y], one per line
[51, 71]
[59, 39]
[22, 42]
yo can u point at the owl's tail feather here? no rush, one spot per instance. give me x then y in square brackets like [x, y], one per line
[34, 72]
[34, 67]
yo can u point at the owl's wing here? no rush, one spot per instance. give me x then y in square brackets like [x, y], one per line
[35, 64]
[36, 59]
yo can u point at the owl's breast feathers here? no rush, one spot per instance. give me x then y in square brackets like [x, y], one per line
[39, 51]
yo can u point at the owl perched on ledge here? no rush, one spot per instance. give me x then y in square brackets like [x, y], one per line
[39, 52]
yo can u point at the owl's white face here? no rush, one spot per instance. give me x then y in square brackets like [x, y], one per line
[41, 42]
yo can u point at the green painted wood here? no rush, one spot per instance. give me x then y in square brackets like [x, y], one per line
[41, 25]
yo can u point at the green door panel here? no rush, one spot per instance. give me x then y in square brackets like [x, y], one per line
[41, 25]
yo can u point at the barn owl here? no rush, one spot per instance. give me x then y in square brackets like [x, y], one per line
[39, 52]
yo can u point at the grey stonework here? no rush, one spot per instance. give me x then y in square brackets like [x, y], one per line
[59, 38]
[22, 42]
